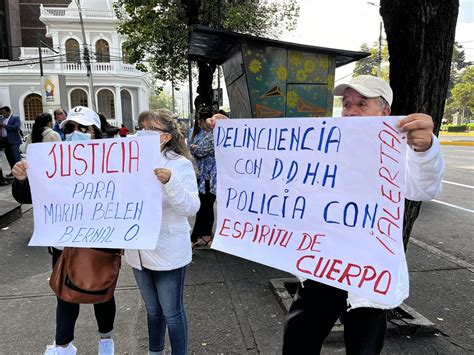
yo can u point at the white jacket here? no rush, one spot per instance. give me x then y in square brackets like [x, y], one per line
[423, 175]
[180, 201]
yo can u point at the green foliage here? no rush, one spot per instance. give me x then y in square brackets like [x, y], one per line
[161, 100]
[470, 127]
[368, 66]
[456, 128]
[157, 31]
[461, 98]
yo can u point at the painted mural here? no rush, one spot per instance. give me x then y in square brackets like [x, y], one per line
[288, 83]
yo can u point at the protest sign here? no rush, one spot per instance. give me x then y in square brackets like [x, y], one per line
[97, 193]
[321, 198]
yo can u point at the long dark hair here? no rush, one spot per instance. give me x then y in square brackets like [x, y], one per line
[177, 143]
[203, 113]
[41, 123]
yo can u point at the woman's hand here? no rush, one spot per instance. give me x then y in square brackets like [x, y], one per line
[163, 175]
[19, 170]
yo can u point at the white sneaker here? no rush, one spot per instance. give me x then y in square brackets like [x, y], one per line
[60, 350]
[106, 347]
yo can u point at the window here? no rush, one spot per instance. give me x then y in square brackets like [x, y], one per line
[78, 98]
[106, 103]
[33, 106]
[73, 53]
[102, 51]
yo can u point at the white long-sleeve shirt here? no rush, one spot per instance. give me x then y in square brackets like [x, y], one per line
[180, 201]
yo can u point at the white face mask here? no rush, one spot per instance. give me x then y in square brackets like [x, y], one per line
[143, 132]
[78, 136]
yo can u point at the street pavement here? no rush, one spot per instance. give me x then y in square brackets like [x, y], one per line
[230, 306]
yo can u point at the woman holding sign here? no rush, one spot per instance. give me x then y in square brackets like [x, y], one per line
[160, 273]
[81, 124]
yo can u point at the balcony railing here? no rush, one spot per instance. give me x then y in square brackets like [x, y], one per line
[32, 52]
[64, 12]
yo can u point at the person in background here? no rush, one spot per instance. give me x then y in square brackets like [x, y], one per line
[81, 124]
[160, 273]
[317, 306]
[124, 131]
[59, 116]
[202, 149]
[11, 137]
[42, 131]
[108, 131]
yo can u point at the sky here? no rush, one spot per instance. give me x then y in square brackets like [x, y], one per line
[320, 24]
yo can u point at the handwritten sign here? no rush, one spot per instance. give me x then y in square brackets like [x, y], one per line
[321, 198]
[98, 193]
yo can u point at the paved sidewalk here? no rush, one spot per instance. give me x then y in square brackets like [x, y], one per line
[229, 305]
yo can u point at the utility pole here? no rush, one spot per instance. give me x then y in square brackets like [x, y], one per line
[87, 60]
[379, 54]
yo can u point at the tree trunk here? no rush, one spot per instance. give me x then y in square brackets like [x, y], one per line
[420, 36]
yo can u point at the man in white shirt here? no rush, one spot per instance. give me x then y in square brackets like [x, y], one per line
[317, 306]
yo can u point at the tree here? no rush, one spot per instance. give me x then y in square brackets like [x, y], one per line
[161, 100]
[420, 36]
[458, 63]
[157, 31]
[368, 65]
[463, 93]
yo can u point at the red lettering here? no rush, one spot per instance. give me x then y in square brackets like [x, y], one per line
[390, 178]
[389, 225]
[93, 146]
[364, 277]
[52, 151]
[122, 144]
[391, 215]
[390, 195]
[379, 279]
[311, 242]
[79, 159]
[300, 260]
[235, 228]
[221, 232]
[132, 157]
[385, 246]
[108, 159]
[346, 274]
[333, 269]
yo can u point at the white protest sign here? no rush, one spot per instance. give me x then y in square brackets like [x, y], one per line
[321, 198]
[97, 193]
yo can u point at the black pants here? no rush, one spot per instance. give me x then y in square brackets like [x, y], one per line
[205, 215]
[67, 313]
[315, 310]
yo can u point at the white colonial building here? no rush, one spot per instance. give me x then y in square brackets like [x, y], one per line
[120, 91]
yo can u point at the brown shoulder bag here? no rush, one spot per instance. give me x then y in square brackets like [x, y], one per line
[86, 275]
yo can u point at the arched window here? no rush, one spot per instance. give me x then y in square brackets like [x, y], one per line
[33, 106]
[126, 102]
[102, 51]
[78, 98]
[73, 53]
[106, 103]
[125, 57]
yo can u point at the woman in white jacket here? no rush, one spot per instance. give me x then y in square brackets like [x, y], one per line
[160, 273]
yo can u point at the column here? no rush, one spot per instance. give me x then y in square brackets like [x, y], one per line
[118, 106]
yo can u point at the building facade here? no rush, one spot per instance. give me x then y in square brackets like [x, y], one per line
[119, 90]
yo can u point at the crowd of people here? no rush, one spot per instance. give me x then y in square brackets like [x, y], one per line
[188, 179]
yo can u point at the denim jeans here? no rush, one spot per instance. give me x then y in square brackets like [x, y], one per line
[162, 292]
[315, 309]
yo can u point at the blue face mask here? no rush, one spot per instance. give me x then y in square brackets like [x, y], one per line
[78, 136]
